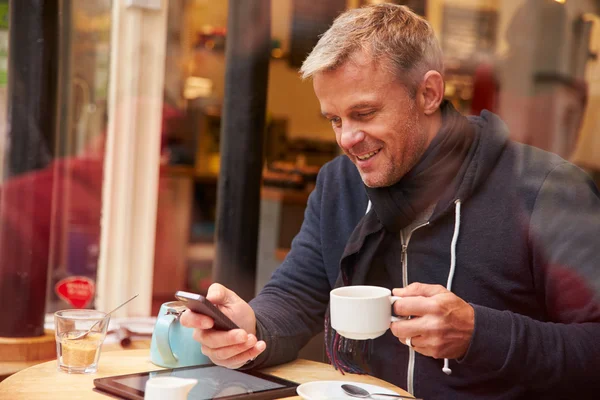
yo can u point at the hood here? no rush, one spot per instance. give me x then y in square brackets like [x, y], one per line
[491, 137]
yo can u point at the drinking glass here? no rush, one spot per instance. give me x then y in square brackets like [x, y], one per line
[79, 356]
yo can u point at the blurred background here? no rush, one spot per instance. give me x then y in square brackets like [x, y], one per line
[110, 132]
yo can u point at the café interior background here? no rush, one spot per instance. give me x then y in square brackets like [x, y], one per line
[534, 62]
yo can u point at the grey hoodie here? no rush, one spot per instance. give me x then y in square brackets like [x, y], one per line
[526, 259]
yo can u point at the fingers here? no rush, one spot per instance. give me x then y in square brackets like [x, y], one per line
[442, 325]
[218, 294]
[232, 354]
[409, 328]
[251, 354]
[415, 341]
[242, 358]
[421, 339]
[194, 320]
[217, 339]
[415, 306]
[419, 289]
[231, 349]
[423, 346]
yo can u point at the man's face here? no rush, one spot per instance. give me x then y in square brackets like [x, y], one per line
[376, 123]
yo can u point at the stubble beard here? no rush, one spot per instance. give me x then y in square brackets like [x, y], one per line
[391, 173]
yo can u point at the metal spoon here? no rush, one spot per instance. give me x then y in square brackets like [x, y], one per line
[356, 391]
[84, 334]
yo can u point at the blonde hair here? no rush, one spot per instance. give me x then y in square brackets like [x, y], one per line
[385, 32]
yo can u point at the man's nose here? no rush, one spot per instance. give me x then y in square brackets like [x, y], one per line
[351, 136]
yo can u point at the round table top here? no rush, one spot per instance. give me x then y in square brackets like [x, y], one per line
[44, 381]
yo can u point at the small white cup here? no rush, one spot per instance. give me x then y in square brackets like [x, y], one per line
[361, 312]
[168, 387]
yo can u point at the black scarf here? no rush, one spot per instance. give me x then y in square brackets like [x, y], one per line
[398, 205]
[434, 179]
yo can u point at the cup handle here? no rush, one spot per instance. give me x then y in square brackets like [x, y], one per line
[392, 301]
[161, 332]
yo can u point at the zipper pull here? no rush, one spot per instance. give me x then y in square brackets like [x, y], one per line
[404, 247]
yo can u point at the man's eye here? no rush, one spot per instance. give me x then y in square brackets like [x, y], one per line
[335, 121]
[365, 114]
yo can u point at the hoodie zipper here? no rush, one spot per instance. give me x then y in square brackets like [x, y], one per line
[411, 352]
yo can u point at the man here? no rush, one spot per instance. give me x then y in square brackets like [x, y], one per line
[484, 239]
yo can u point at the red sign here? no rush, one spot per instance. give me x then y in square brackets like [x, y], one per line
[78, 291]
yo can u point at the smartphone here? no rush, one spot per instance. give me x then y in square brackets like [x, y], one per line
[199, 304]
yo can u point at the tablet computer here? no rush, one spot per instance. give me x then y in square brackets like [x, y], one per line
[214, 382]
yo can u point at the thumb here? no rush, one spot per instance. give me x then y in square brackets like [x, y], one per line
[419, 289]
[219, 294]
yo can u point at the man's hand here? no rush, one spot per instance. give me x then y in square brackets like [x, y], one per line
[441, 324]
[233, 348]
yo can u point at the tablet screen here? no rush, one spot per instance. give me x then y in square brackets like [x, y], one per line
[214, 382]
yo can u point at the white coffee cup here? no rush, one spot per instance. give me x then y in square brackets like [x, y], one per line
[168, 387]
[361, 312]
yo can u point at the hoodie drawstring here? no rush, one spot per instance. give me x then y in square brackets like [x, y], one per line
[457, 203]
[446, 368]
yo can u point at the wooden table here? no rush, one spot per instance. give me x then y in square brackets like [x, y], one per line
[8, 368]
[44, 381]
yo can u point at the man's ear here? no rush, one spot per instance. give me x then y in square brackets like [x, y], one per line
[431, 92]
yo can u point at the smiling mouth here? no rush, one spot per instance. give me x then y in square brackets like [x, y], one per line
[365, 157]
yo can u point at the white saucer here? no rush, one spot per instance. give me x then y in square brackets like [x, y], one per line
[322, 390]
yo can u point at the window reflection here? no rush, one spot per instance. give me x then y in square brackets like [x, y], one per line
[61, 233]
[533, 62]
